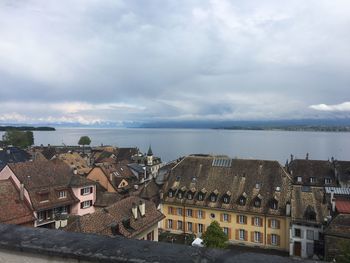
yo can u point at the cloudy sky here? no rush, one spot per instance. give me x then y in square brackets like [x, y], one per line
[92, 61]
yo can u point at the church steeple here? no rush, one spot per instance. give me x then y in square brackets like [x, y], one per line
[150, 156]
[150, 153]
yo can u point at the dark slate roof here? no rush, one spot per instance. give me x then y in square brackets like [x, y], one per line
[343, 172]
[151, 192]
[80, 181]
[306, 169]
[49, 177]
[137, 168]
[125, 154]
[104, 198]
[339, 226]
[13, 155]
[306, 202]
[149, 152]
[234, 178]
[119, 217]
[13, 209]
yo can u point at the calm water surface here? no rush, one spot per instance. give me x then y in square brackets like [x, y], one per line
[170, 144]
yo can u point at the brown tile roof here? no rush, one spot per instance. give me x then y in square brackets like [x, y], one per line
[125, 154]
[343, 206]
[151, 192]
[339, 226]
[74, 160]
[233, 178]
[13, 210]
[117, 219]
[45, 177]
[306, 169]
[308, 204]
[80, 181]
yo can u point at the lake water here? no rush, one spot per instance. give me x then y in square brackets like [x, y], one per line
[170, 144]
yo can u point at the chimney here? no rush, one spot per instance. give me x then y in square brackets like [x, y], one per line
[332, 200]
[75, 171]
[288, 209]
[307, 156]
[21, 192]
[291, 158]
[134, 210]
[142, 207]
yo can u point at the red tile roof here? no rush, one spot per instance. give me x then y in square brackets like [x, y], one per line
[13, 210]
[343, 206]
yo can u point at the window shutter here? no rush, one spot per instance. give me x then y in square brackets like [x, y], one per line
[195, 228]
[237, 219]
[82, 191]
[229, 233]
[185, 227]
[269, 239]
[203, 213]
[221, 217]
[195, 214]
[237, 234]
[90, 202]
[261, 222]
[261, 238]
[245, 220]
[169, 210]
[278, 240]
[91, 190]
[229, 218]
[253, 221]
[245, 235]
[278, 224]
[81, 204]
[252, 236]
[269, 222]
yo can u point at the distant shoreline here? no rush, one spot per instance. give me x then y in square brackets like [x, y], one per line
[289, 128]
[26, 128]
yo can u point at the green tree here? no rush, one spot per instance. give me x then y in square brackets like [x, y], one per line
[18, 138]
[344, 254]
[84, 140]
[214, 237]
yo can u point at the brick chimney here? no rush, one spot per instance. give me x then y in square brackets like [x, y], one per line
[134, 210]
[142, 207]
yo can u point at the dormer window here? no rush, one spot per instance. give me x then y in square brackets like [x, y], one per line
[200, 197]
[242, 200]
[62, 194]
[189, 196]
[257, 202]
[212, 198]
[327, 180]
[274, 204]
[180, 195]
[299, 179]
[257, 186]
[170, 194]
[226, 199]
[312, 180]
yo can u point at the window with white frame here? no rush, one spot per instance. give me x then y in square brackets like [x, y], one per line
[62, 194]
[241, 219]
[86, 191]
[225, 229]
[179, 211]
[257, 221]
[179, 225]
[200, 214]
[225, 217]
[189, 226]
[312, 179]
[86, 204]
[274, 240]
[170, 223]
[299, 179]
[274, 223]
[257, 237]
[200, 228]
[189, 212]
[241, 234]
[327, 180]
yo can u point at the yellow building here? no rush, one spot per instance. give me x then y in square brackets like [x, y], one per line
[249, 198]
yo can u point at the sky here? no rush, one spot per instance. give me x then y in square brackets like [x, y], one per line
[116, 61]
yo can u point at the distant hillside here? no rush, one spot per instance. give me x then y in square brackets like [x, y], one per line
[26, 128]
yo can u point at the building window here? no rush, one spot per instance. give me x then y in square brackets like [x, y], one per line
[312, 180]
[297, 232]
[242, 200]
[189, 196]
[170, 223]
[189, 212]
[225, 217]
[200, 197]
[189, 226]
[327, 180]
[62, 194]
[200, 214]
[274, 223]
[179, 211]
[309, 249]
[86, 191]
[274, 204]
[86, 204]
[179, 195]
[225, 229]
[150, 236]
[170, 194]
[241, 234]
[226, 199]
[212, 215]
[41, 215]
[241, 219]
[299, 179]
[257, 202]
[200, 228]
[257, 221]
[257, 237]
[274, 239]
[310, 234]
[257, 185]
[213, 198]
[179, 225]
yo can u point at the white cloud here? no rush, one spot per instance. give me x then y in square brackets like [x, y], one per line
[345, 106]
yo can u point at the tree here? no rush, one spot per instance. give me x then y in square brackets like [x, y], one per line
[214, 237]
[18, 138]
[84, 140]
